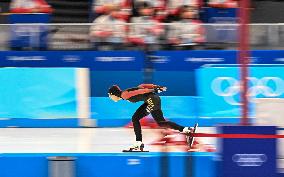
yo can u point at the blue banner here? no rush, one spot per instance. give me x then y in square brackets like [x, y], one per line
[220, 15]
[219, 88]
[29, 36]
[134, 60]
[29, 18]
[267, 57]
[108, 60]
[191, 60]
[248, 157]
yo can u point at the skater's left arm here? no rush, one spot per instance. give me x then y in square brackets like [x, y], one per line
[153, 86]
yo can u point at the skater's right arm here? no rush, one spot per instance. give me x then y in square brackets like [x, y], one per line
[153, 86]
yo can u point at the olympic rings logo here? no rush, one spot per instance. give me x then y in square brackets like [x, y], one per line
[229, 88]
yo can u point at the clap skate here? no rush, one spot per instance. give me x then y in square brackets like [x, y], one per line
[136, 147]
[189, 135]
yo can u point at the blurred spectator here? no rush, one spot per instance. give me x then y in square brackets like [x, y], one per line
[188, 32]
[173, 7]
[109, 30]
[30, 6]
[223, 3]
[159, 7]
[103, 7]
[148, 30]
[152, 3]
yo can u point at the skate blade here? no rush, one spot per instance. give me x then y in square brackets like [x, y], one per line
[191, 138]
[127, 150]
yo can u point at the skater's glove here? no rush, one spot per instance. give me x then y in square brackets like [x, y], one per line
[160, 89]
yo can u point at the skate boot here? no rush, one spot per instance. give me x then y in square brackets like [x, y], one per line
[187, 130]
[189, 134]
[138, 146]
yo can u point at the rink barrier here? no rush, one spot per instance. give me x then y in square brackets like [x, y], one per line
[176, 164]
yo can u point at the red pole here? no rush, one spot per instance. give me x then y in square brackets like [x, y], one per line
[243, 58]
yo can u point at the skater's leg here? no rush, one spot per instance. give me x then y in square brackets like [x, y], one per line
[159, 118]
[154, 106]
[139, 114]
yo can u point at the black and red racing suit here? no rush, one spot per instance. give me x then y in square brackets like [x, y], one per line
[152, 105]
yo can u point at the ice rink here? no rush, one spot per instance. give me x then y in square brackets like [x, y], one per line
[83, 140]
